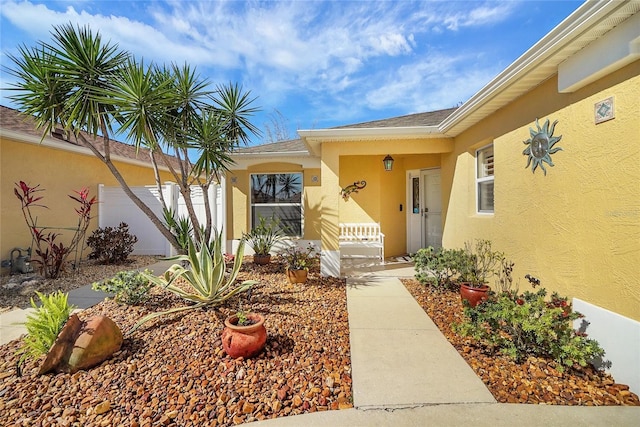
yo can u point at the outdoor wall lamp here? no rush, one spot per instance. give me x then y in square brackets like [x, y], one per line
[388, 163]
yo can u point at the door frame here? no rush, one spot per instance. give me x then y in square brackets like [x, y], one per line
[413, 223]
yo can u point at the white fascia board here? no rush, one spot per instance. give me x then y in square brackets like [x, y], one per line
[563, 34]
[70, 147]
[350, 134]
[614, 50]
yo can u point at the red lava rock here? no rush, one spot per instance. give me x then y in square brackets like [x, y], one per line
[175, 365]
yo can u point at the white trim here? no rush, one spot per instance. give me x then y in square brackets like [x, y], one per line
[480, 180]
[330, 263]
[618, 336]
[301, 203]
[609, 53]
[559, 44]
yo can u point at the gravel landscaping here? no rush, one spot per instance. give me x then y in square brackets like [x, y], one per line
[535, 381]
[172, 371]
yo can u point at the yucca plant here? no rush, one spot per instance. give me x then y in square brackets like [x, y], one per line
[210, 283]
[44, 325]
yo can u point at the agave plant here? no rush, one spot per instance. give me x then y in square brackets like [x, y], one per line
[210, 283]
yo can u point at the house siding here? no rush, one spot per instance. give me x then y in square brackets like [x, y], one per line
[577, 229]
[59, 173]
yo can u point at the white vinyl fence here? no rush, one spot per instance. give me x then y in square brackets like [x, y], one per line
[114, 207]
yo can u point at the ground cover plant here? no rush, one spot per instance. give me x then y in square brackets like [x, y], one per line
[172, 370]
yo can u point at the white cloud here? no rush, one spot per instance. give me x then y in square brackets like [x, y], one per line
[344, 57]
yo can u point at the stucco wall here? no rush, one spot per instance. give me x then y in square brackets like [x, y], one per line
[59, 173]
[239, 199]
[578, 228]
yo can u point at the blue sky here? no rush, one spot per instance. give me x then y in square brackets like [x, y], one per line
[320, 64]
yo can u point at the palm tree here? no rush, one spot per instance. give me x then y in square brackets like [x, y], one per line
[82, 84]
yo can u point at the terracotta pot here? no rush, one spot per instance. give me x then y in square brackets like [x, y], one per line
[261, 259]
[244, 341]
[297, 276]
[82, 345]
[474, 294]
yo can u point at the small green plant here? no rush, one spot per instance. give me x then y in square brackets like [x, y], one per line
[264, 236]
[112, 245]
[180, 227]
[481, 263]
[44, 325]
[210, 284]
[129, 287]
[297, 258]
[438, 267]
[522, 325]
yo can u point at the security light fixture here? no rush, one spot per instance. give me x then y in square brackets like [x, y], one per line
[388, 163]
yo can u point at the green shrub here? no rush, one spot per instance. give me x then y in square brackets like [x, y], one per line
[437, 267]
[522, 325]
[129, 287]
[112, 245]
[44, 325]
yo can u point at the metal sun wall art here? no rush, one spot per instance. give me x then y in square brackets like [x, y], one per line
[353, 188]
[541, 146]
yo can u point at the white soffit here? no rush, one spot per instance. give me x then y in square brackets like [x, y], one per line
[612, 51]
[588, 23]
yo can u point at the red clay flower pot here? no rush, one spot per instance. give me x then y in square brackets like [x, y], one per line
[297, 276]
[474, 294]
[261, 259]
[244, 341]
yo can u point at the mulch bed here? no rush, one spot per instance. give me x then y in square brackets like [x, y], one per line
[536, 380]
[173, 371]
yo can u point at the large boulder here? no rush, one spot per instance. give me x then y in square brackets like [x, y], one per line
[82, 345]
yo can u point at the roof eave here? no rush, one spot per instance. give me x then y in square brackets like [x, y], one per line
[78, 149]
[560, 37]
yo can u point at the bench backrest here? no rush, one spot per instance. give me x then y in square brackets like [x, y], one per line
[359, 231]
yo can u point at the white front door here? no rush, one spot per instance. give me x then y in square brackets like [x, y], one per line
[424, 209]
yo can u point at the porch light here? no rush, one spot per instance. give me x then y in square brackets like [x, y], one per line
[388, 163]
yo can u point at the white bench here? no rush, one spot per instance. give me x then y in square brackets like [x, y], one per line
[361, 236]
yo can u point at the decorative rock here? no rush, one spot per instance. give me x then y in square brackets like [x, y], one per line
[82, 345]
[102, 408]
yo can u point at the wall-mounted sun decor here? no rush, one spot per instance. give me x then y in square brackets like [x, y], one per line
[541, 146]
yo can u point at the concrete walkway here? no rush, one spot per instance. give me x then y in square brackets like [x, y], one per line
[404, 371]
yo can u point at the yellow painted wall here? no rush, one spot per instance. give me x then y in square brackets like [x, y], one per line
[239, 203]
[59, 173]
[380, 200]
[578, 228]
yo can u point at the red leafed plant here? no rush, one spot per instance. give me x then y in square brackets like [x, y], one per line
[53, 255]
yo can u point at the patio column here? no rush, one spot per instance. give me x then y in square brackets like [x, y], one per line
[330, 167]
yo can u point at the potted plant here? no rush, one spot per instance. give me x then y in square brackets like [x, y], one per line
[298, 262]
[262, 239]
[244, 334]
[479, 263]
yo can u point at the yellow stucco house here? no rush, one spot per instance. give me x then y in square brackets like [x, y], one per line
[60, 166]
[484, 170]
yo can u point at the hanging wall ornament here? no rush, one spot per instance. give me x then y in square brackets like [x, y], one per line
[353, 188]
[541, 146]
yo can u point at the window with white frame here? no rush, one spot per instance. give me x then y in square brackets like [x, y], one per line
[484, 179]
[278, 196]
